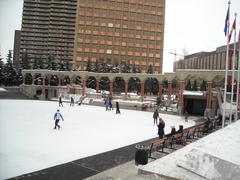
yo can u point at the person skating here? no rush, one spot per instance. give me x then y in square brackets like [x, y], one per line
[60, 101]
[161, 127]
[110, 105]
[57, 117]
[106, 104]
[155, 117]
[72, 102]
[117, 108]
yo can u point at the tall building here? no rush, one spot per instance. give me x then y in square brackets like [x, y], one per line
[120, 32]
[48, 28]
[113, 31]
[16, 48]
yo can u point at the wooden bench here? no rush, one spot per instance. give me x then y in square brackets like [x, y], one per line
[156, 145]
[178, 137]
[191, 133]
[200, 128]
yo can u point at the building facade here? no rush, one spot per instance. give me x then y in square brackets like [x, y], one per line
[116, 32]
[120, 32]
[48, 29]
[16, 48]
[215, 60]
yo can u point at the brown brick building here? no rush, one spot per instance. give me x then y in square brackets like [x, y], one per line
[114, 31]
[120, 31]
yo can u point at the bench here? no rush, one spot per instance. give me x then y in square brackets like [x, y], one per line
[191, 133]
[156, 145]
[174, 139]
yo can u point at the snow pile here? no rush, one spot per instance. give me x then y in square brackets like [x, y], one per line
[2, 89]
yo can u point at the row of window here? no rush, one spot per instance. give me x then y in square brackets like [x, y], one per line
[115, 35]
[119, 24]
[121, 15]
[119, 44]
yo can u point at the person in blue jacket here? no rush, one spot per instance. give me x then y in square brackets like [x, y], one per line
[57, 117]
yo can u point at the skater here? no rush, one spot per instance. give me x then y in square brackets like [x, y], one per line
[57, 117]
[106, 104]
[155, 117]
[72, 102]
[117, 108]
[110, 105]
[60, 101]
[186, 116]
[161, 127]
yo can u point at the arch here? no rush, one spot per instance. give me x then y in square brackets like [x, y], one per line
[65, 80]
[38, 80]
[91, 82]
[54, 80]
[104, 83]
[118, 85]
[77, 80]
[28, 78]
[151, 85]
[134, 84]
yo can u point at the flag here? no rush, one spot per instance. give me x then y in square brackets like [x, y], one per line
[226, 22]
[239, 39]
[233, 28]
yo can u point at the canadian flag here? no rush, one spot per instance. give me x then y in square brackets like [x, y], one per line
[233, 28]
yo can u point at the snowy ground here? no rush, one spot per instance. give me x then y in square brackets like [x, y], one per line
[29, 143]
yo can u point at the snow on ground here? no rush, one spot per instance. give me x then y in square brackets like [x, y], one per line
[29, 143]
[2, 89]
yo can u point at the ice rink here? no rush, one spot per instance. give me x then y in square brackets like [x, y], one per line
[29, 143]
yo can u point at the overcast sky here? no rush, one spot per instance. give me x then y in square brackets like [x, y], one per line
[190, 26]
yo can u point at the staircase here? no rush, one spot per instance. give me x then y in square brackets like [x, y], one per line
[12, 93]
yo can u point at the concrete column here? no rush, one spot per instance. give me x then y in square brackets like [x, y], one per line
[160, 88]
[23, 79]
[111, 88]
[142, 89]
[209, 94]
[33, 80]
[180, 99]
[97, 86]
[169, 89]
[83, 87]
[126, 87]
[43, 87]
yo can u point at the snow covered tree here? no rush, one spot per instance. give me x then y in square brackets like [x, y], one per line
[150, 69]
[89, 66]
[25, 60]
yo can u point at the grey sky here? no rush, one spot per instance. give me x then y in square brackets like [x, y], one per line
[193, 25]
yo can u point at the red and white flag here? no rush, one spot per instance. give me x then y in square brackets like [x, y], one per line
[232, 29]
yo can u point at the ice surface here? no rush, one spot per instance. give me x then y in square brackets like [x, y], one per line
[29, 143]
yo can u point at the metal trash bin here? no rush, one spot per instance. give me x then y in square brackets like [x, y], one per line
[141, 154]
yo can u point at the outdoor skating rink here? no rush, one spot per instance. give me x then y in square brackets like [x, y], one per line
[29, 143]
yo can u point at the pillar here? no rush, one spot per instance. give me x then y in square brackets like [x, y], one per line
[209, 94]
[33, 80]
[23, 79]
[142, 89]
[180, 97]
[83, 87]
[160, 88]
[126, 87]
[111, 88]
[43, 87]
[169, 89]
[97, 86]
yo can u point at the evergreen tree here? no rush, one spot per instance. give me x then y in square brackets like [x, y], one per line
[89, 66]
[194, 86]
[25, 60]
[10, 76]
[189, 86]
[150, 69]
[203, 86]
[1, 71]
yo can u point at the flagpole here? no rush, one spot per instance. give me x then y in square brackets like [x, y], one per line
[233, 67]
[226, 70]
[238, 76]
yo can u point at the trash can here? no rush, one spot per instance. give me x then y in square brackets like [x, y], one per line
[141, 154]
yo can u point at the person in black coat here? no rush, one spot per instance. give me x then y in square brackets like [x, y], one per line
[117, 108]
[60, 101]
[155, 117]
[161, 127]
